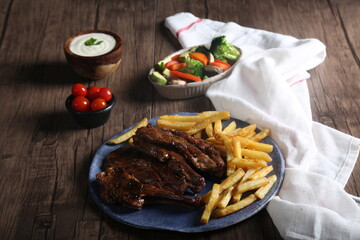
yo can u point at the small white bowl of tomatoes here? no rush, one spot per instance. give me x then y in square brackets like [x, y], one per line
[90, 107]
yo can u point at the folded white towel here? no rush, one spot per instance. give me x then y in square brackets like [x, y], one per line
[268, 87]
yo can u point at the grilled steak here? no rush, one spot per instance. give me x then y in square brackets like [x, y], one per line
[174, 161]
[146, 169]
[185, 146]
[118, 186]
[158, 167]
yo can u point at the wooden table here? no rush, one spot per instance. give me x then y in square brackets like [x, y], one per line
[45, 156]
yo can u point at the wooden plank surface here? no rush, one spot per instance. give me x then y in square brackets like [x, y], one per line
[45, 156]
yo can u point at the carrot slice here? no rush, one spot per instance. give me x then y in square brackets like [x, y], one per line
[177, 66]
[219, 61]
[176, 57]
[169, 64]
[200, 57]
[186, 76]
[220, 65]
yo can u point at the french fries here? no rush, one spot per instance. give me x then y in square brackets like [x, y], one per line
[234, 207]
[183, 126]
[194, 123]
[261, 172]
[227, 183]
[261, 192]
[247, 165]
[126, 136]
[251, 185]
[211, 204]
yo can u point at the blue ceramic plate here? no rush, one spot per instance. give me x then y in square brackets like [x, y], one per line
[173, 217]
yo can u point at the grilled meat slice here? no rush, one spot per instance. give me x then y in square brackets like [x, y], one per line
[146, 169]
[118, 186]
[197, 158]
[206, 148]
[173, 160]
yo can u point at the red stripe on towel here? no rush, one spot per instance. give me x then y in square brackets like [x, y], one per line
[187, 27]
[294, 83]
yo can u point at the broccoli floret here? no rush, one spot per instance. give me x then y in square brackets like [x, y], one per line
[201, 49]
[223, 50]
[193, 67]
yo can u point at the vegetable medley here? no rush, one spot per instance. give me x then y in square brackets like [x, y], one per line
[196, 64]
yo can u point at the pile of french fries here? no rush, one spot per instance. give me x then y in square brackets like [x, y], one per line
[247, 159]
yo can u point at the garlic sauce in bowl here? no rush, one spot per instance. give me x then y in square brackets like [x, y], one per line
[93, 54]
[92, 44]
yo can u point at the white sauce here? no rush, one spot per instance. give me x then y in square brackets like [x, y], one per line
[78, 46]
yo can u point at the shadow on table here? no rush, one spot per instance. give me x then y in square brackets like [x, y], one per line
[50, 124]
[54, 73]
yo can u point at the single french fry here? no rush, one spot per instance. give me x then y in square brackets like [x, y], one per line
[256, 154]
[234, 207]
[198, 134]
[236, 146]
[207, 113]
[229, 156]
[250, 185]
[124, 137]
[224, 115]
[261, 192]
[182, 118]
[264, 147]
[248, 173]
[198, 127]
[250, 135]
[229, 128]
[214, 141]
[229, 149]
[261, 172]
[224, 198]
[217, 127]
[209, 130]
[182, 126]
[211, 203]
[243, 131]
[247, 143]
[261, 135]
[226, 183]
[249, 163]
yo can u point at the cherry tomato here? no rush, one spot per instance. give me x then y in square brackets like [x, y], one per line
[93, 93]
[78, 89]
[98, 104]
[105, 93]
[80, 103]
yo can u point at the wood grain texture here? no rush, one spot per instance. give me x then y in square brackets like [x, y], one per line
[45, 156]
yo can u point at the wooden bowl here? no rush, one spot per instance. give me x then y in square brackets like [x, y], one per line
[94, 67]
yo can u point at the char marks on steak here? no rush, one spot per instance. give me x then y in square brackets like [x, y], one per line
[173, 160]
[204, 158]
[118, 186]
[207, 148]
[146, 169]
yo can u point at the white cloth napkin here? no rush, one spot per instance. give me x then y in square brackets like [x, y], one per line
[268, 87]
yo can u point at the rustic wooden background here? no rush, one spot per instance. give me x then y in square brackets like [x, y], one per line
[45, 156]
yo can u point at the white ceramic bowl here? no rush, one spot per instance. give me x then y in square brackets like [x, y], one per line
[189, 90]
